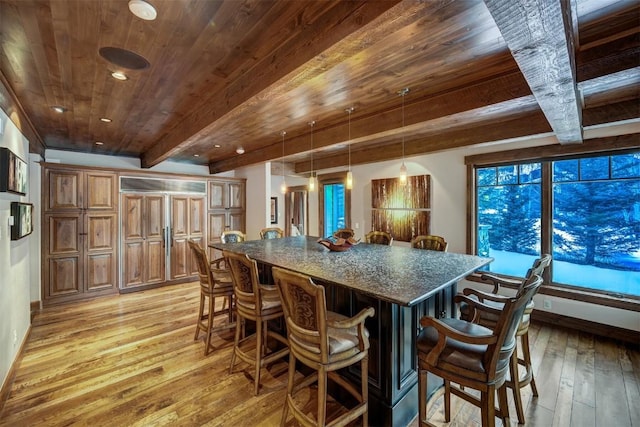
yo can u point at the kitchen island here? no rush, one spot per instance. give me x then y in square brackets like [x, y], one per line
[402, 284]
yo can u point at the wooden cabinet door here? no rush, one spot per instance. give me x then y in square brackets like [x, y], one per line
[196, 229]
[64, 189]
[132, 240]
[217, 195]
[100, 251]
[101, 191]
[179, 236]
[236, 195]
[155, 251]
[63, 261]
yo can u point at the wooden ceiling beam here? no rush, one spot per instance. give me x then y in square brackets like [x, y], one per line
[528, 124]
[485, 99]
[539, 34]
[309, 38]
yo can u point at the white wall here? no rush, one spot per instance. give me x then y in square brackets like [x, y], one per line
[16, 265]
[258, 190]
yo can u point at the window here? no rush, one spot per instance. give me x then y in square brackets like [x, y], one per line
[335, 204]
[593, 220]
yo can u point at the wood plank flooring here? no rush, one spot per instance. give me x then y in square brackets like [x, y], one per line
[130, 360]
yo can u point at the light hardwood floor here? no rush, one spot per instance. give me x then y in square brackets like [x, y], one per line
[130, 360]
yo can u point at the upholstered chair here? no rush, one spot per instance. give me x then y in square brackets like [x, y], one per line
[324, 342]
[516, 381]
[232, 236]
[258, 303]
[467, 355]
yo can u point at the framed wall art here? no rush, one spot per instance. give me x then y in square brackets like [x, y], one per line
[22, 220]
[274, 210]
[13, 172]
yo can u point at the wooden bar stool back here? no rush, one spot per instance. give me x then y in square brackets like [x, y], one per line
[232, 236]
[325, 342]
[215, 283]
[489, 320]
[271, 233]
[431, 242]
[259, 303]
[378, 238]
[465, 354]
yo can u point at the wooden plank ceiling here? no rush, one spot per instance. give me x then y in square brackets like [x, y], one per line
[229, 74]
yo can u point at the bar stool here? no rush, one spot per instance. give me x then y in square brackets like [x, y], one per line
[271, 233]
[465, 354]
[325, 342]
[215, 282]
[434, 243]
[378, 238]
[516, 382]
[259, 303]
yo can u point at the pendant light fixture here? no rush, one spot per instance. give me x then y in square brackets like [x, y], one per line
[283, 185]
[403, 168]
[349, 174]
[312, 178]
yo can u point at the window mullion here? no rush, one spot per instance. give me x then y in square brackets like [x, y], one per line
[546, 217]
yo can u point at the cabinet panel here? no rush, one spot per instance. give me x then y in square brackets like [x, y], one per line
[101, 190]
[217, 194]
[179, 216]
[236, 195]
[155, 265]
[154, 217]
[63, 276]
[101, 272]
[133, 260]
[65, 190]
[180, 263]
[101, 232]
[132, 212]
[196, 216]
[64, 234]
[236, 221]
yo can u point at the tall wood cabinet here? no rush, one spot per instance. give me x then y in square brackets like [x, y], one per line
[225, 209]
[79, 249]
[155, 231]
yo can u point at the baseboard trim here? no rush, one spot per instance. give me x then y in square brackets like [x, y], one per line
[622, 334]
[11, 373]
[35, 306]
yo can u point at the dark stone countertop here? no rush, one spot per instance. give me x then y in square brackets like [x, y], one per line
[399, 275]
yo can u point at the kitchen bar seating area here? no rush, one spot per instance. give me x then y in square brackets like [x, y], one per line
[265, 212]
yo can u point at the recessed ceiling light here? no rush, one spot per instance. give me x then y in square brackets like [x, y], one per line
[106, 120]
[119, 75]
[143, 10]
[196, 155]
[99, 143]
[217, 146]
[240, 150]
[58, 109]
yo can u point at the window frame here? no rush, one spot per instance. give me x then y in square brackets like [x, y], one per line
[624, 144]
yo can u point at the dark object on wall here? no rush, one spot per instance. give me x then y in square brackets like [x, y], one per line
[13, 172]
[274, 210]
[22, 220]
